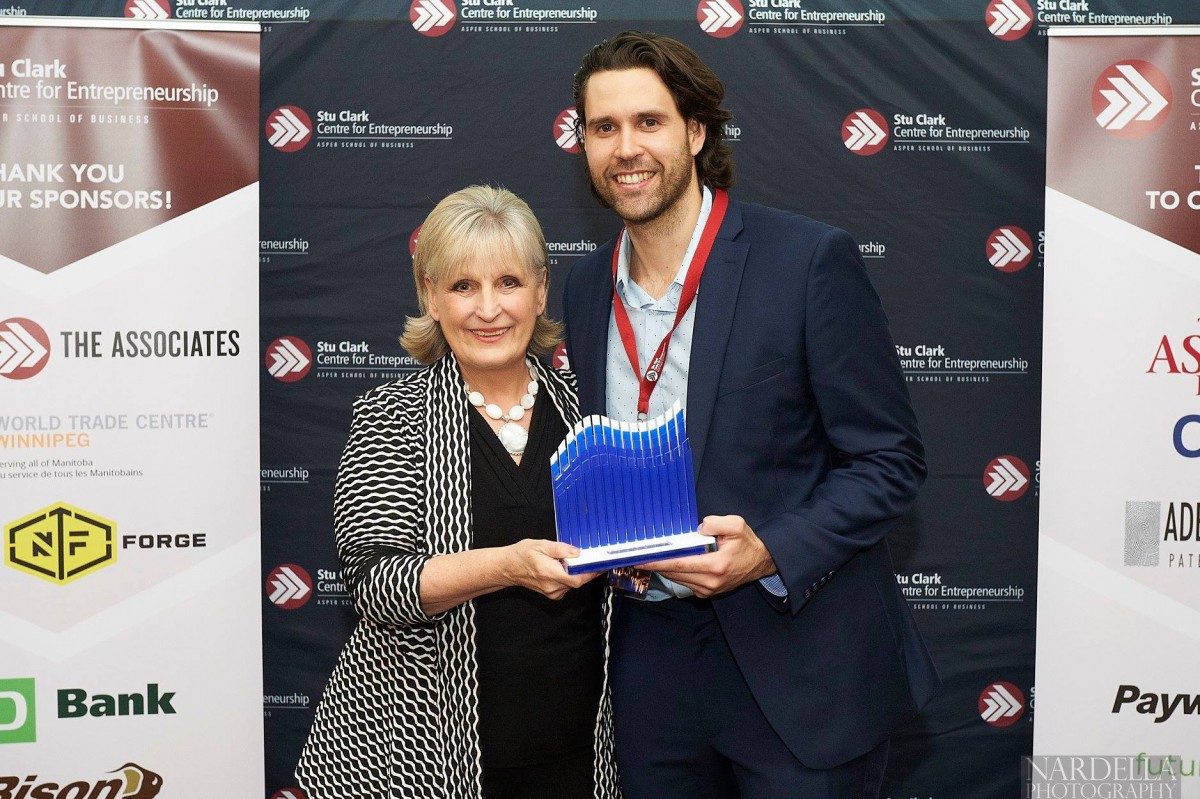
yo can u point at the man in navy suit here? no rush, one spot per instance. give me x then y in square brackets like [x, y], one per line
[778, 665]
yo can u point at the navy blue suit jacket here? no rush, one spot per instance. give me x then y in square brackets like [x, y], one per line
[799, 421]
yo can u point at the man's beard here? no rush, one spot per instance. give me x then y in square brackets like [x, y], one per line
[674, 179]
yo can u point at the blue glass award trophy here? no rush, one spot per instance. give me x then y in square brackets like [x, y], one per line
[624, 493]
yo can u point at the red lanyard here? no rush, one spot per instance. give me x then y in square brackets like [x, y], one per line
[648, 380]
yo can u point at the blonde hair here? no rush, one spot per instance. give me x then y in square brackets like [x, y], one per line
[471, 220]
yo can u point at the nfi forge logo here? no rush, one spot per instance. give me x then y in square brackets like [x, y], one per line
[288, 129]
[148, 9]
[721, 18]
[566, 131]
[24, 348]
[432, 17]
[1009, 20]
[132, 781]
[60, 543]
[288, 359]
[1130, 99]
[865, 131]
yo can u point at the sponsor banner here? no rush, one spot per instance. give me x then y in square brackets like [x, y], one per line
[1136, 110]
[1119, 558]
[129, 421]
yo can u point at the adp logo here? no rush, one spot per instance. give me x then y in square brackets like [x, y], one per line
[24, 348]
[865, 131]
[1008, 19]
[720, 18]
[432, 17]
[148, 9]
[1006, 478]
[1130, 99]
[1001, 704]
[18, 711]
[1009, 248]
[289, 793]
[289, 586]
[288, 359]
[566, 131]
[412, 240]
[288, 128]
[60, 543]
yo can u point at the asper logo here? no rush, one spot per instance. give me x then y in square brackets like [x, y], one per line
[288, 128]
[865, 131]
[565, 131]
[720, 18]
[1006, 478]
[289, 586]
[432, 17]
[1009, 19]
[1009, 248]
[60, 543]
[1130, 99]
[24, 348]
[148, 9]
[18, 711]
[288, 359]
[1001, 704]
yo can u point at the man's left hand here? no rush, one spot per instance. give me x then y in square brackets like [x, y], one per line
[741, 557]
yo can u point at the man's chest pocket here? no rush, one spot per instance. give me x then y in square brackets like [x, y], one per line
[742, 379]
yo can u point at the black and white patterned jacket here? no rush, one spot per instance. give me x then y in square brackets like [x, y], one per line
[399, 717]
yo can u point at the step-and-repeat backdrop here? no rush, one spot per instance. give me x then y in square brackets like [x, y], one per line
[917, 125]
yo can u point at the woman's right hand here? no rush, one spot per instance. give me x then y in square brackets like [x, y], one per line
[536, 564]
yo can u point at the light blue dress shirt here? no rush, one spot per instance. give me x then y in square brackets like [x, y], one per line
[651, 320]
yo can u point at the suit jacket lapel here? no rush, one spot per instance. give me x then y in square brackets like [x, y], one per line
[715, 305]
[589, 357]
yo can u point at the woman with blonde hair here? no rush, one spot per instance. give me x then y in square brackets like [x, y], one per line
[478, 665]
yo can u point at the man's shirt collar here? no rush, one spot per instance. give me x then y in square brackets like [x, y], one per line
[632, 294]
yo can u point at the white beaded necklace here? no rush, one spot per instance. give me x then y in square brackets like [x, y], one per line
[512, 435]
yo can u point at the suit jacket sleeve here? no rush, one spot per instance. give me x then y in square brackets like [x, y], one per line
[877, 461]
[377, 514]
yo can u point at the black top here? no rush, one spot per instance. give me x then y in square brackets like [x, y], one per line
[540, 660]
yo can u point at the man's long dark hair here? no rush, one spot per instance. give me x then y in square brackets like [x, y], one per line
[696, 90]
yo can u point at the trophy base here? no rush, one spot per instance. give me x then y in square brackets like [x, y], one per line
[633, 553]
